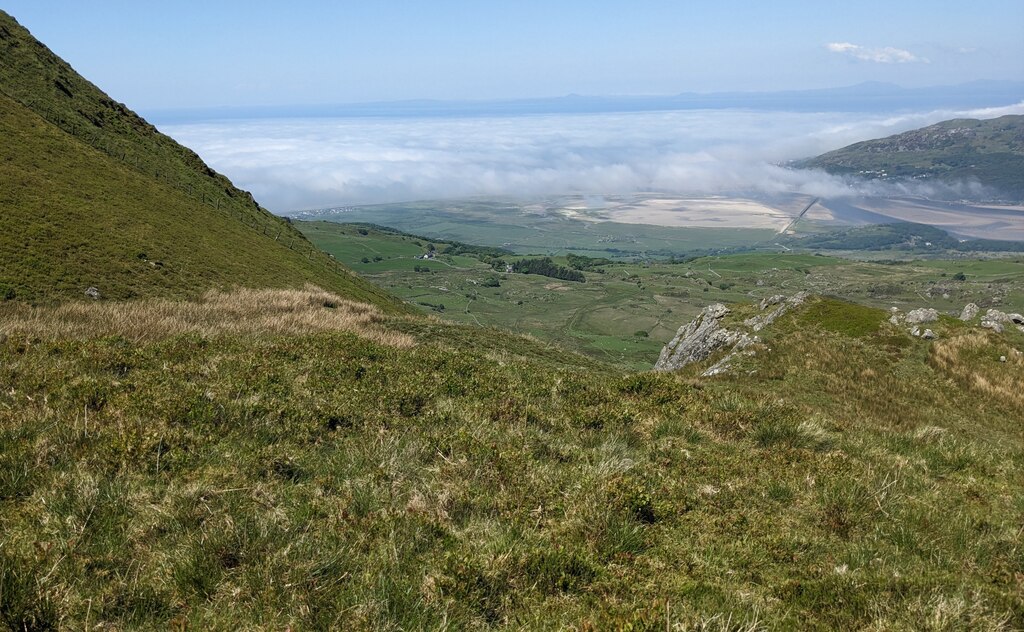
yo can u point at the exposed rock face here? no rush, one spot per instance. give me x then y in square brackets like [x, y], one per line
[697, 340]
[93, 293]
[771, 300]
[970, 312]
[759, 322]
[997, 321]
[921, 315]
[705, 335]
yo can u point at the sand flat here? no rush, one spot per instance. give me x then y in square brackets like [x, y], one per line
[710, 212]
[983, 221]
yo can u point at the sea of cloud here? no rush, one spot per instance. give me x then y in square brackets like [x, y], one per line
[294, 164]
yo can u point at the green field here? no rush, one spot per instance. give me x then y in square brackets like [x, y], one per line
[628, 312]
[523, 230]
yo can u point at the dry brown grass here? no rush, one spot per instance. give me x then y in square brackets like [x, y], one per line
[974, 360]
[240, 311]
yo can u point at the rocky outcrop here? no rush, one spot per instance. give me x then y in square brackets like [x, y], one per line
[970, 312]
[705, 335]
[998, 321]
[759, 322]
[698, 340]
[915, 318]
[921, 315]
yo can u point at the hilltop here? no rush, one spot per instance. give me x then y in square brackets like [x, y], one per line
[94, 196]
[990, 152]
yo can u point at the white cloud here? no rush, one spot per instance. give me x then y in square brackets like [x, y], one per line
[885, 55]
[292, 164]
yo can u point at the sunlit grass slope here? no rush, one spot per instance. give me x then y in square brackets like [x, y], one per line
[93, 196]
[467, 479]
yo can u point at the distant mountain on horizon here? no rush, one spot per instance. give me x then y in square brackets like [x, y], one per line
[870, 96]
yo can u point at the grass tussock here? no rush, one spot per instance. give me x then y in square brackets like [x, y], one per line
[235, 312]
[479, 481]
[983, 362]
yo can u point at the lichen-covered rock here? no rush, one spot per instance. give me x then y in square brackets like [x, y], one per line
[697, 340]
[759, 322]
[995, 320]
[771, 300]
[970, 312]
[921, 315]
[705, 335]
[93, 293]
[739, 348]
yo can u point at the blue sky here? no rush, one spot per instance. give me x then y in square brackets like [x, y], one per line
[254, 52]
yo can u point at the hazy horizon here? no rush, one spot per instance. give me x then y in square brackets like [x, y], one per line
[233, 53]
[304, 163]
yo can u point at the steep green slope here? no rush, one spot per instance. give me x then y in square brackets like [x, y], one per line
[989, 151]
[93, 196]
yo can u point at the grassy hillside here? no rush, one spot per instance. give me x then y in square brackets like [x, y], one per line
[626, 310]
[297, 456]
[988, 151]
[93, 196]
[230, 477]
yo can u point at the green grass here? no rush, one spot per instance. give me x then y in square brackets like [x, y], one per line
[481, 481]
[83, 204]
[601, 317]
[843, 318]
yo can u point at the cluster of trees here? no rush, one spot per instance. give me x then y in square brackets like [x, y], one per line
[437, 308]
[581, 262]
[546, 267]
[483, 252]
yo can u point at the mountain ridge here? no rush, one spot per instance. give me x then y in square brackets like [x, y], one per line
[867, 96]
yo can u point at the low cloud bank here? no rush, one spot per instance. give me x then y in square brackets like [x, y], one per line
[293, 164]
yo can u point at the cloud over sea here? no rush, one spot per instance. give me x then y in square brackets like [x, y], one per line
[303, 163]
